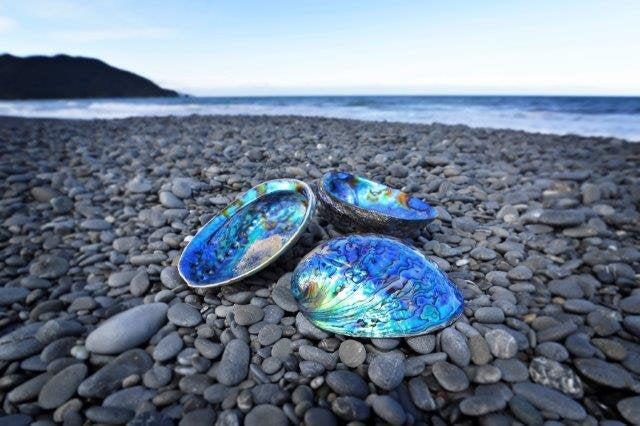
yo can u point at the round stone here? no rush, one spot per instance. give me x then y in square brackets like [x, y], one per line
[168, 347]
[269, 334]
[389, 410]
[316, 416]
[184, 315]
[49, 266]
[630, 409]
[350, 408]
[489, 314]
[387, 370]
[450, 377]
[247, 314]
[352, 353]
[347, 383]
[266, 415]
[501, 343]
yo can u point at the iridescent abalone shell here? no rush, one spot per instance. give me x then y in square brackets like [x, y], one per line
[374, 286]
[355, 203]
[248, 234]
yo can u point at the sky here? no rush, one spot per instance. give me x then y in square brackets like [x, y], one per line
[286, 47]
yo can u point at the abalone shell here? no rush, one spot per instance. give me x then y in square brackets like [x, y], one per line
[374, 286]
[355, 203]
[248, 234]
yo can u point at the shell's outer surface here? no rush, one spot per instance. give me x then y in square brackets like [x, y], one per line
[248, 234]
[374, 286]
[354, 202]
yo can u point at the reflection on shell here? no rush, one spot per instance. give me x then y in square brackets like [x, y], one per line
[248, 234]
[374, 286]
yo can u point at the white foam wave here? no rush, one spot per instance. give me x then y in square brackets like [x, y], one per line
[626, 126]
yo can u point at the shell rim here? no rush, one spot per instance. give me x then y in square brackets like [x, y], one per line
[308, 193]
[362, 210]
[438, 327]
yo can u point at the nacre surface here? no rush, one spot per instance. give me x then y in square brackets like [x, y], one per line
[374, 286]
[356, 203]
[248, 234]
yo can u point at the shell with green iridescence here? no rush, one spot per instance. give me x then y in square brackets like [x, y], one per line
[374, 286]
[248, 234]
[352, 203]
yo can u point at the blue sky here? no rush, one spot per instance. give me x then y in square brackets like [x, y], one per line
[344, 47]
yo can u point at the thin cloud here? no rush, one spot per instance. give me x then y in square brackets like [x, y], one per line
[90, 35]
[7, 24]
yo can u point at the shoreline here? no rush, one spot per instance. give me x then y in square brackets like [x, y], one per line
[600, 139]
[538, 231]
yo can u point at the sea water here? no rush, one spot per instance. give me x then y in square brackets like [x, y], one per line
[583, 115]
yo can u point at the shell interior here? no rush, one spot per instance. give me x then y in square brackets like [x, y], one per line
[248, 234]
[369, 195]
[374, 286]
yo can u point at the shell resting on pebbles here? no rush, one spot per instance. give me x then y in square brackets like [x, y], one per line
[374, 286]
[248, 234]
[354, 203]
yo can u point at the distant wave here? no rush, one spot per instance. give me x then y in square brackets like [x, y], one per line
[588, 116]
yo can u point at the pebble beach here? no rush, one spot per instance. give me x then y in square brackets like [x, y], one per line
[541, 234]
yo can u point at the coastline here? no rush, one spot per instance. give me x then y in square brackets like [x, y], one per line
[539, 232]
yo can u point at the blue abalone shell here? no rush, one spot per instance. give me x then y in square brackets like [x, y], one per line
[374, 286]
[354, 202]
[248, 234]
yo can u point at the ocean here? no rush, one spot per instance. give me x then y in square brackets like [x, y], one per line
[583, 115]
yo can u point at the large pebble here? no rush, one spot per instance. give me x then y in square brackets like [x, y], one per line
[551, 400]
[450, 377]
[455, 345]
[108, 378]
[184, 315]
[127, 329]
[234, 365]
[502, 344]
[387, 370]
[347, 383]
[61, 387]
[352, 353]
